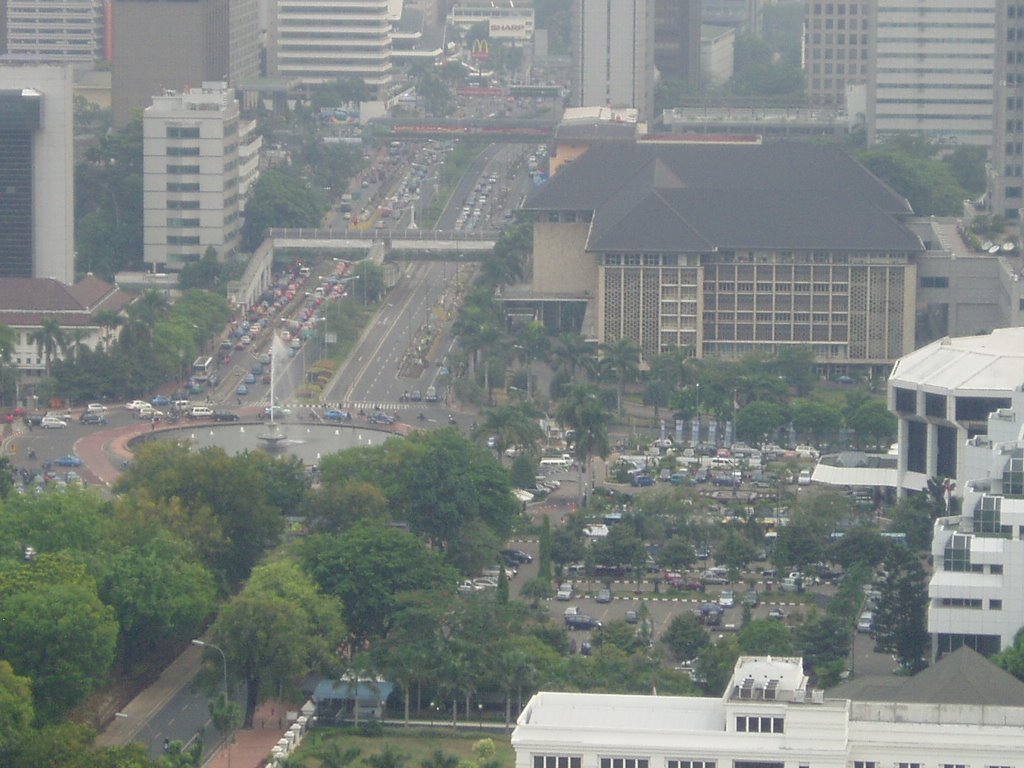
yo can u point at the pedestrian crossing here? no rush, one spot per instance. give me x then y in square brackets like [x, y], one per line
[367, 406]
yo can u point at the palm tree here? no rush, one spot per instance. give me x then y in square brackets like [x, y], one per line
[332, 755]
[49, 340]
[388, 757]
[509, 425]
[533, 344]
[573, 353]
[582, 411]
[622, 360]
[75, 340]
[6, 355]
[109, 321]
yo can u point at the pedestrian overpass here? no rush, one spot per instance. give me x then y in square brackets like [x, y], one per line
[428, 240]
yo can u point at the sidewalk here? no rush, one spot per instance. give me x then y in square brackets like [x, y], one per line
[252, 747]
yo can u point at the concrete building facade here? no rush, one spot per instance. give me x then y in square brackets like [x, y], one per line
[976, 592]
[962, 711]
[933, 71]
[942, 395]
[613, 54]
[677, 39]
[836, 49]
[316, 41]
[195, 155]
[1007, 182]
[37, 194]
[66, 30]
[173, 44]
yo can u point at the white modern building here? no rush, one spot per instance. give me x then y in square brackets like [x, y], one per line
[963, 711]
[317, 41]
[197, 157]
[613, 54]
[56, 30]
[37, 191]
[976, 592]
[942, 395]
[933, 70]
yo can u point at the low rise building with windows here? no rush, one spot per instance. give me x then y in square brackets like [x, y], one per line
[727, 250]
[963, 711]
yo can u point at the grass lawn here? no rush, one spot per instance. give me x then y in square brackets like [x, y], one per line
[417, 744]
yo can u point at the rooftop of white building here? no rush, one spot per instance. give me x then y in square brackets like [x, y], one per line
[992, 363]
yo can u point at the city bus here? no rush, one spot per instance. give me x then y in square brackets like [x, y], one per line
[202, 369]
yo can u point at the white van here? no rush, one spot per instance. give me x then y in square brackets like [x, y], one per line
[561, 463]
[866, 622]
[201, 412]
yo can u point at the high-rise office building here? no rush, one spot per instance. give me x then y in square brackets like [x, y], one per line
[56, 30]
[677, 39]
[933, 71]
[613, 54]
[171, 44]
[1007, 179]
[192, 168]
[836, 49]
[318, 41]
[37, 202]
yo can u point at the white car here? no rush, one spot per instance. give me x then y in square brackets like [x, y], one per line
[136, 405]
[95, 408]
[564, 592]
[52, 422]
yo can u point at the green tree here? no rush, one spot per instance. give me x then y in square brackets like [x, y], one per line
[823, 641]
[815, 419]
[280, 200]
[159, 594]
[759, 418]
[63, 638]
[16, 711]
[927, 183]
[873, 423]
[280, 625]
[1012, 659]
[686, 638]
[618, 634]
[763, 637]
[735, 551]
[715, 665]
[228, 492]
[369, 569]
[901, 617]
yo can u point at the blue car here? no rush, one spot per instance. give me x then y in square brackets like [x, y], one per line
[336, 415]
[250, 378]
[68, 461]
[159, 401]
[242, 390]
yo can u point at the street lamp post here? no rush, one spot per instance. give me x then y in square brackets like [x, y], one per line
[145, 723]
[224, 658]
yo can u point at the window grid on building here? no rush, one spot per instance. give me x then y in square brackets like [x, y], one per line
[759, 724]
[557, 761]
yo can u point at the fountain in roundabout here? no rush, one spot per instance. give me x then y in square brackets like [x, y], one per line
[307, 441]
